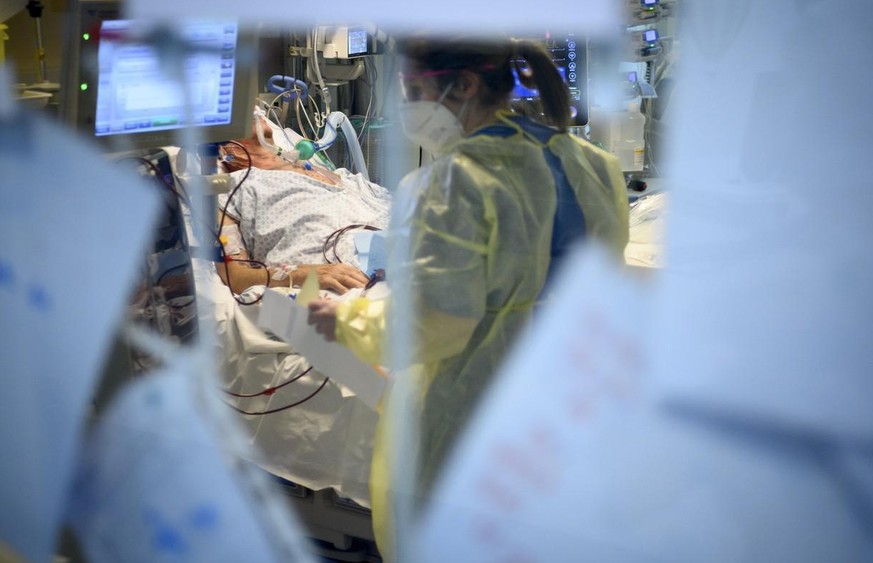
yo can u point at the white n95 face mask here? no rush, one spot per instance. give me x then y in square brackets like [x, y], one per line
[431, 124]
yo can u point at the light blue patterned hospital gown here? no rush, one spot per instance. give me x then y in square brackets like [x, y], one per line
[285, 217]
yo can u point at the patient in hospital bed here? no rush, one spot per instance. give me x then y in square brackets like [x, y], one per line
[308, 429]
[286, 217]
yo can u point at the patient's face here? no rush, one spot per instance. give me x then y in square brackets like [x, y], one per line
[260, 156]
[265, 159]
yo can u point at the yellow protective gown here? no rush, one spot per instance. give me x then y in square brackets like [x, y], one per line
[479, 222]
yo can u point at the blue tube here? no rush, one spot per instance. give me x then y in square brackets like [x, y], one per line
[280, 84]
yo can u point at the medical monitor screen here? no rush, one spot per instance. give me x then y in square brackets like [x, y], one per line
[357, 42]
[569, 53]
[136, 94]
[522, 91]
[120, 86]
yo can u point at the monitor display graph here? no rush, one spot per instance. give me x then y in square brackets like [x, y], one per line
[135, 94]
[129, 84]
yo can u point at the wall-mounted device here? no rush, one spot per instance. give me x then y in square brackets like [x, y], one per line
[346, 43]
[339, 53]
[645, 45]
[647, 11]
[570, 55]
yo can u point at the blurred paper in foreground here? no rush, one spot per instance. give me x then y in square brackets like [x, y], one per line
[157, 483]
[74, 226]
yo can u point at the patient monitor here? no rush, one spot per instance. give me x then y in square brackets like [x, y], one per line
[569, 52]
[130, 85]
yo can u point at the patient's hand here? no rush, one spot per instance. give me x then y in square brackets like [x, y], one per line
[335, 277]
[322, 315]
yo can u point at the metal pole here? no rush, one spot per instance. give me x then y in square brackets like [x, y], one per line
[34, 8]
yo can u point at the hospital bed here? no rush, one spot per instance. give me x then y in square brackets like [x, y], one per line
[310, 432]
[644, 249]
[313, 435]
[320, 448]
[308, 429]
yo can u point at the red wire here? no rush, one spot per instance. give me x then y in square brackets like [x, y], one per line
[228, 260]
[270, 390]
[286, 407]
[334, 237]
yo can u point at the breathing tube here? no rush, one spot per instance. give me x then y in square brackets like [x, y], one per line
[306, 149]
[291, 156]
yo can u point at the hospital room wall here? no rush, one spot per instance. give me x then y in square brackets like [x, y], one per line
[21, 48]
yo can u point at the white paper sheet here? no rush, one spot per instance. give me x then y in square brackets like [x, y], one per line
[155, 484]
[286, 319]
[74, 228]
[309, 290]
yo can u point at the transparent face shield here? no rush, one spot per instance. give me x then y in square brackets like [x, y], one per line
[413, 84]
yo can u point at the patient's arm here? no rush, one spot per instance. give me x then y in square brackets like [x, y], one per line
[336, 277]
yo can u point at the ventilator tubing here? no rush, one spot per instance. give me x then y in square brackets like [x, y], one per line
[355, 149]
[338, 118]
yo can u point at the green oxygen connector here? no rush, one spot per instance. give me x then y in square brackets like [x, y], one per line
[305, 148]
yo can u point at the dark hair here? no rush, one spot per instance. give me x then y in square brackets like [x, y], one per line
[493, 60]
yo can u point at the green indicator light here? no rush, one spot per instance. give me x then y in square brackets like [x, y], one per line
[86, 36]
[83, 86]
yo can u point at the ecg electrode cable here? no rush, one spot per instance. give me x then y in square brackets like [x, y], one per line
[286, 407]
[227, 259]
[269, 391]
[333, 239]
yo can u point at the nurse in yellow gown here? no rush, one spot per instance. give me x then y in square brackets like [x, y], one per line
[483, 225]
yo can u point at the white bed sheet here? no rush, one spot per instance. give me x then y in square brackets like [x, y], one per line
[326, 441]
[646, 240]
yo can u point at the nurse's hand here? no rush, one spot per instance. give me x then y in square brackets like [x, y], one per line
[334, 277]
[322, 315]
